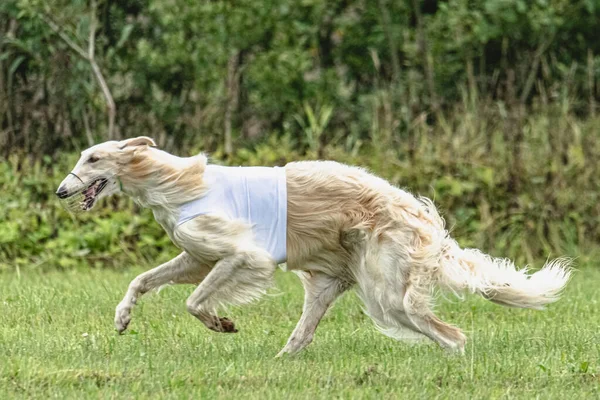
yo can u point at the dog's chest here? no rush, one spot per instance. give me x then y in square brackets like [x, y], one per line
[254, 195]
[167, 218]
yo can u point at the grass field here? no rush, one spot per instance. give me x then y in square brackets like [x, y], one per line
[57, 340]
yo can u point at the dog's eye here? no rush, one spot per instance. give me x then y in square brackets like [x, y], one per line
[92, 159]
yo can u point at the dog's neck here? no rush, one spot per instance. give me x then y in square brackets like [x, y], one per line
[162, 182]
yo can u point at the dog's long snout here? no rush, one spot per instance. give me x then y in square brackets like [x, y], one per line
[62, 192]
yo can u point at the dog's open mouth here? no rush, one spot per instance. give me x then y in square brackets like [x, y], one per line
[85, 198]
[91, 193]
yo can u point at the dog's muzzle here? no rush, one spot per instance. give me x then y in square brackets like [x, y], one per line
[62, 192]
[81, 197]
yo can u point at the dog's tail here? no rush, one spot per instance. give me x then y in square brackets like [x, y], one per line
[498, 279]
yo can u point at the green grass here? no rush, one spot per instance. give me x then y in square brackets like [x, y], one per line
[57, 340]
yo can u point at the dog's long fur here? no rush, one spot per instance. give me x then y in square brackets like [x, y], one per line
[346, 228]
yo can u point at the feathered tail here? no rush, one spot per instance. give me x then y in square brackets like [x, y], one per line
[498, 279]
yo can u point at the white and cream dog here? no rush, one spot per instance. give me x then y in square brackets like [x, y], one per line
[336, 226]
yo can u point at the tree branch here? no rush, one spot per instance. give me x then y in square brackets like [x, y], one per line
[231, 101]
[90, 56]
[110, 102]
[65, 37]
[534, 68]
[427, 62]
[92, 38]
[387, 29]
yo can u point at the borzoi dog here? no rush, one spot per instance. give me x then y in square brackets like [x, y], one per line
[336, 226]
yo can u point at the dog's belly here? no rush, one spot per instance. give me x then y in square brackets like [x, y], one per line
[328, 262]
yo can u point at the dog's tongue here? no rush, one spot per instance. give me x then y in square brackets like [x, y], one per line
[90, 192]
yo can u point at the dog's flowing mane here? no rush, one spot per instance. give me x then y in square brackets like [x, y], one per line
[155, 178]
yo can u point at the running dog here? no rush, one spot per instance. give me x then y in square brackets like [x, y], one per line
[335, 226]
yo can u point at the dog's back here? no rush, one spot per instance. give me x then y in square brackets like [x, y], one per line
[327, 199]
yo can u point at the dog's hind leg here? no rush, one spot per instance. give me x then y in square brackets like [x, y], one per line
[416, 307]
[395, 284]
[320, 291]
[235, 279]
[181, 269]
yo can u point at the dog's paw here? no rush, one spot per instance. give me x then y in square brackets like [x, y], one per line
[122, 318]
[282, 353]
[287, 352]
[223, 325]
[227, 325]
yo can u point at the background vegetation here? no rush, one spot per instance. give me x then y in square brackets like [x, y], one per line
[489, 107]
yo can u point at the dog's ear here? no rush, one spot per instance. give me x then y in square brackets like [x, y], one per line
[138, 141]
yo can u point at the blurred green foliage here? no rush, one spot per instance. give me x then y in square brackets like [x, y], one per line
[555, 212]
[488, 107]
[175, 67]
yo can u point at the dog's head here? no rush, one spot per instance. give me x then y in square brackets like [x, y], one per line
[97, 173]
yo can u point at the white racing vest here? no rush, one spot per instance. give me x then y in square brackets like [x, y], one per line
[256, 195]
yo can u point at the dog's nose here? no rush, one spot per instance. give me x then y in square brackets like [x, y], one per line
[62, 192]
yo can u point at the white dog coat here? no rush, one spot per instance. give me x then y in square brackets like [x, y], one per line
[256, 195]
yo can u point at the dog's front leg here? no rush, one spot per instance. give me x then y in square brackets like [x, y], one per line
[181, 269]
[242, 270]
[235, 279]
